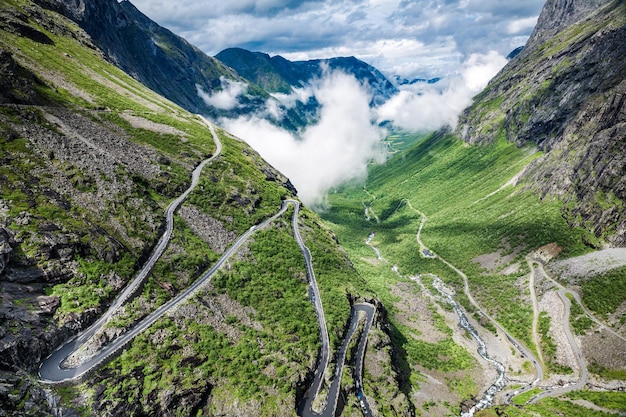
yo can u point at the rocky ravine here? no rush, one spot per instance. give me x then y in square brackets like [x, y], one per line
[566, 93]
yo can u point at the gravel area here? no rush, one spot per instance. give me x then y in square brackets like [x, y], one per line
[143, 123]
[208, 229]
[552, 304]
[590, 264]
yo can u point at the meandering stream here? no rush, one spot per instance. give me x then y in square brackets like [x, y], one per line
[499, 384]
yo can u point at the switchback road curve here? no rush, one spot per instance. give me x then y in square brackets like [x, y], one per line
[305, 408]
[52, 370]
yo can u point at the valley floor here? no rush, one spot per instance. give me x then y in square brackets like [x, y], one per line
[537, 326]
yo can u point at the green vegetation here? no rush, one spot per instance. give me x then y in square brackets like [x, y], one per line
[335, 274]
[523, 398]
[263, 358]
[548, 347]
[401, 141]
[445, 356]
[548, 407]
[281, 291]
[610, 400]
[515, 314]
[258, 352]
[603, 294]
[90, 288]
[464, 387]
[240, 190]
[578, 319]
[467, 216]
[607, 373]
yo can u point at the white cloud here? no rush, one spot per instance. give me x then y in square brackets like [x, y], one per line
[429, 107]
[225, 99]
[336, 149]
[347, 137]
[297, 94]
[521, 25]
[412, 35]
[480, 68]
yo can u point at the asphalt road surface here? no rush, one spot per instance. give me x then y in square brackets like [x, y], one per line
[52, 369]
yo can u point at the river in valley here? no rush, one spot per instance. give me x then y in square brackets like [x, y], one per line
[499, 384]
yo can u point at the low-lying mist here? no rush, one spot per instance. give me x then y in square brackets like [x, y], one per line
[335, 149]
[347, 135]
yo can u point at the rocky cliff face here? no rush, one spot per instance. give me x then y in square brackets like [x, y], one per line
[565, 94]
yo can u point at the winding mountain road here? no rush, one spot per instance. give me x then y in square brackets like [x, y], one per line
[584, 374]
[518, 345]
[533, 297]
[369, 311]
[306, 408]
[51, 370]
[576, 297]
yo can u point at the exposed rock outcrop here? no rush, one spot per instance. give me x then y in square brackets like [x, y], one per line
[565, 93]
[6, 238]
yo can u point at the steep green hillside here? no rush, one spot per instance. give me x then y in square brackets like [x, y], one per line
[153, 55]
[90, 160]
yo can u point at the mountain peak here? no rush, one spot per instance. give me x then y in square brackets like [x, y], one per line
[279, 75]
[565, 94]
[558, 15]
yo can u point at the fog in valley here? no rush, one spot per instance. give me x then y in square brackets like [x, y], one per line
[348, 133]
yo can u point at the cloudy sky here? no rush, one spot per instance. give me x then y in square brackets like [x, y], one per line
[424, 38]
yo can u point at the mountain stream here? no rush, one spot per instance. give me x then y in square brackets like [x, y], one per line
[499, 384]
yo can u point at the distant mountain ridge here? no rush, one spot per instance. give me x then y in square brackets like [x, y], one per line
[565, 92]
[279, 75]
[405, 81]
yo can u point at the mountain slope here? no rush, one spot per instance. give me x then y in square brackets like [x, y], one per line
[535, 171]
[90, 159]
[153, 55]
[279, 75]
[565, 94]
